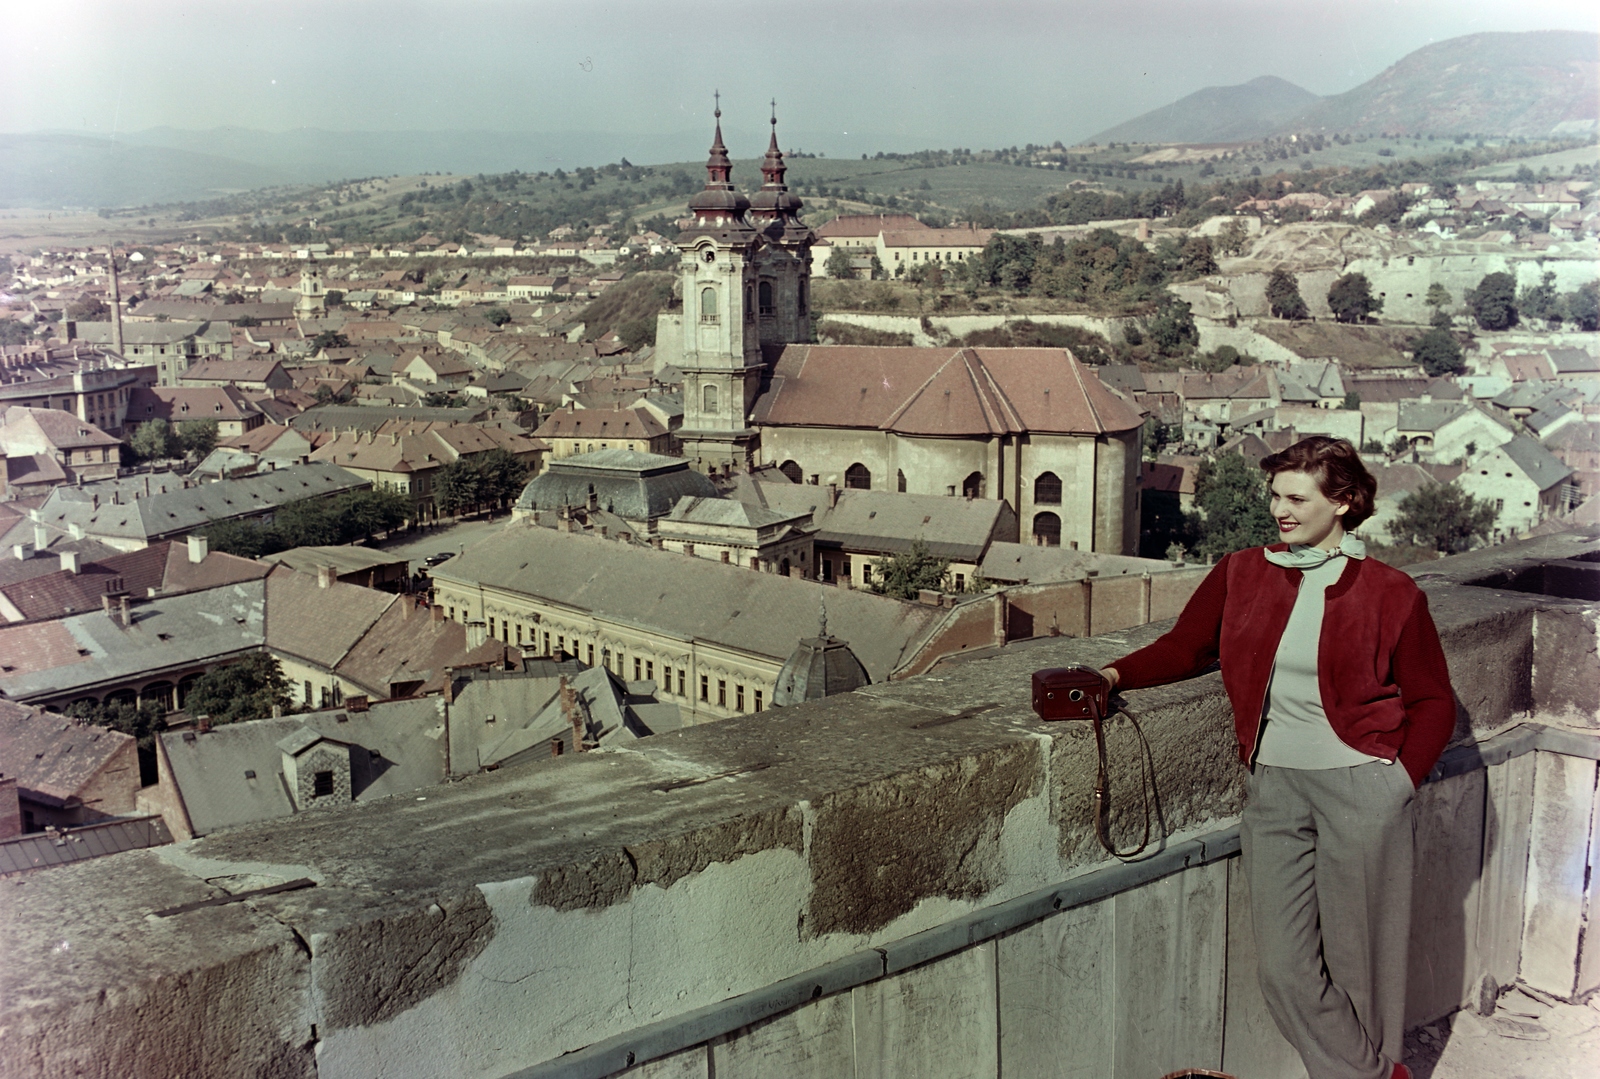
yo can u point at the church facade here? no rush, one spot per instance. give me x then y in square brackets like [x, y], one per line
[1032, 426]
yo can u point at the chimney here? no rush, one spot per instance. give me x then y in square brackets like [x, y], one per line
[833, 495]
[436, 613]
[41, 537]
[199, 547]
[477, 634]
[124, 616]
[69, 562]
[449, 685]
[203, 724]
[75, 531]
[569, 709]
[594, 501]
[326, 576]
[94, 501]
[656, 542]
[23, 551]
[724, 557]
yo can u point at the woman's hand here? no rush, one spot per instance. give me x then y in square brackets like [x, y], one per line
[1110, 675]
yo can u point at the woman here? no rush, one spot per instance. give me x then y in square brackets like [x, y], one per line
[1342, 705]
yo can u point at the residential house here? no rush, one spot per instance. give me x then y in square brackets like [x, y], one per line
[903, 250]
[1578, 447]
[364, 566]
[43, 447]
[573, 430]
[749, 534]
[62, 772]
[1441, 432]
[171, 347]
[435, 369]
[94, 394]
[1396, 481]
[857, 529]
[233, 412]
[1523, 480]
[260, 375]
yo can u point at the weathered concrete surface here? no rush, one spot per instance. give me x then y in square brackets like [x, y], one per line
[1558, 872]
[94, 985]
[505, 919]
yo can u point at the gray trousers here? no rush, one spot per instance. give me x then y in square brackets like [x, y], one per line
[1328, 854]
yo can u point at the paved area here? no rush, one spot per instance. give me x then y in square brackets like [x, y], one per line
[442, 539]
[1527, 1037]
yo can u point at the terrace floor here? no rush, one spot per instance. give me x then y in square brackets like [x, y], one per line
[1525, 1038]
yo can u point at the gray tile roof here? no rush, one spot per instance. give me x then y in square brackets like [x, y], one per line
[396, 747]
[1428, 415]
[168, 632]
[689, 598]
[140, 517]
[889, 522]
[728, 512]
[1540, 465]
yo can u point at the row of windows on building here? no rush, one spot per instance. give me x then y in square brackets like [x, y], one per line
[1046, 487]
[765, 304]
[674, 680]
[934, 256]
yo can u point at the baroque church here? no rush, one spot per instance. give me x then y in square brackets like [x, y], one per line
[1033, 426]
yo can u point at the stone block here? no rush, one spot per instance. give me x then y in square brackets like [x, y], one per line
[816, 1041]
[1507, 819]
[1171, 951]
[1558, 864]
[1566, 666]
[1443, 962]
[936, 1021]
[1055, 993]
[1251, 1044]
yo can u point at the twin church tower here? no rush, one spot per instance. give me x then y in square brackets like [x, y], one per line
[746, 275]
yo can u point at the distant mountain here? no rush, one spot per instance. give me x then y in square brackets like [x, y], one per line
[1531, 84]
[55, 170]
[1218, 114]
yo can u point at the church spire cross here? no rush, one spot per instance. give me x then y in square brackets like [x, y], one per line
[719, 170]
[772, 166]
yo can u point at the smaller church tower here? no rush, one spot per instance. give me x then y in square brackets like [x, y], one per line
[783, 263]
[313, 301]
[721, 361]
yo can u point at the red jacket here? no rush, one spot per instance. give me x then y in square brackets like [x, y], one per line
[1385, 686]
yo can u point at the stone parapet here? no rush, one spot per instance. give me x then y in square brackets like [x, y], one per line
[497, 923]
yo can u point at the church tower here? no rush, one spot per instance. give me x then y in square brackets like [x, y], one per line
[313, 303]
[721, 362]
[783, 263]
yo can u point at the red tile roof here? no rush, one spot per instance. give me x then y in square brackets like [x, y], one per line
[932, 391]
[868, 225]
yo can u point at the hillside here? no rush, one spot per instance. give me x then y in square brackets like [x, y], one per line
[1218, 114]
[1522, 85]
[73, 170]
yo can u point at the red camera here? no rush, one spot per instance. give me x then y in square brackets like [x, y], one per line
[1070, 693]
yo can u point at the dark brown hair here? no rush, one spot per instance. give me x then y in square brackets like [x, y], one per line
[1337, 467]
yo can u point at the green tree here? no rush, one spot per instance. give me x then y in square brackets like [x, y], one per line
[1198, 257]
[1438, 352]
[838, 264]
[1233, 237]
[363, 514]
[501, 477]
[329, 339]
[1230, 497]
[1583, 307]
[1494, 302]
[1352, 402]
[1438, 297]
[153, 440]
[88, 309]
[1283, 296]
[1442, 516]
[1352, 300]
[499, 316]
[460, 486]
[1171, 329]
[904, 575]
[248, 689]
[1542, 302]
[197, 437]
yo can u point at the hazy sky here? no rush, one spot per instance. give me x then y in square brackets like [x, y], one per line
[932, 73]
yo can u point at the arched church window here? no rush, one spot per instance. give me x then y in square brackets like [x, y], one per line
[765, 292]
[857, 477]
[900, 481]
[749, 303]
[972, 486]
[1046, 530]
[791, 470]
[708, 304]
[1047, 489]
[708, 399]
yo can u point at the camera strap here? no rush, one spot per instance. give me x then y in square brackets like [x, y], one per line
[1102, 789]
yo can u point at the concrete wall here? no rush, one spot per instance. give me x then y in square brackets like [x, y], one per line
[901, 881]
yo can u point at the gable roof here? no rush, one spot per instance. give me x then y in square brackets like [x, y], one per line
[1539, 464]
[965, 392]
[51, 756]
[638, 423]
[316, 623]
[688, 598]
